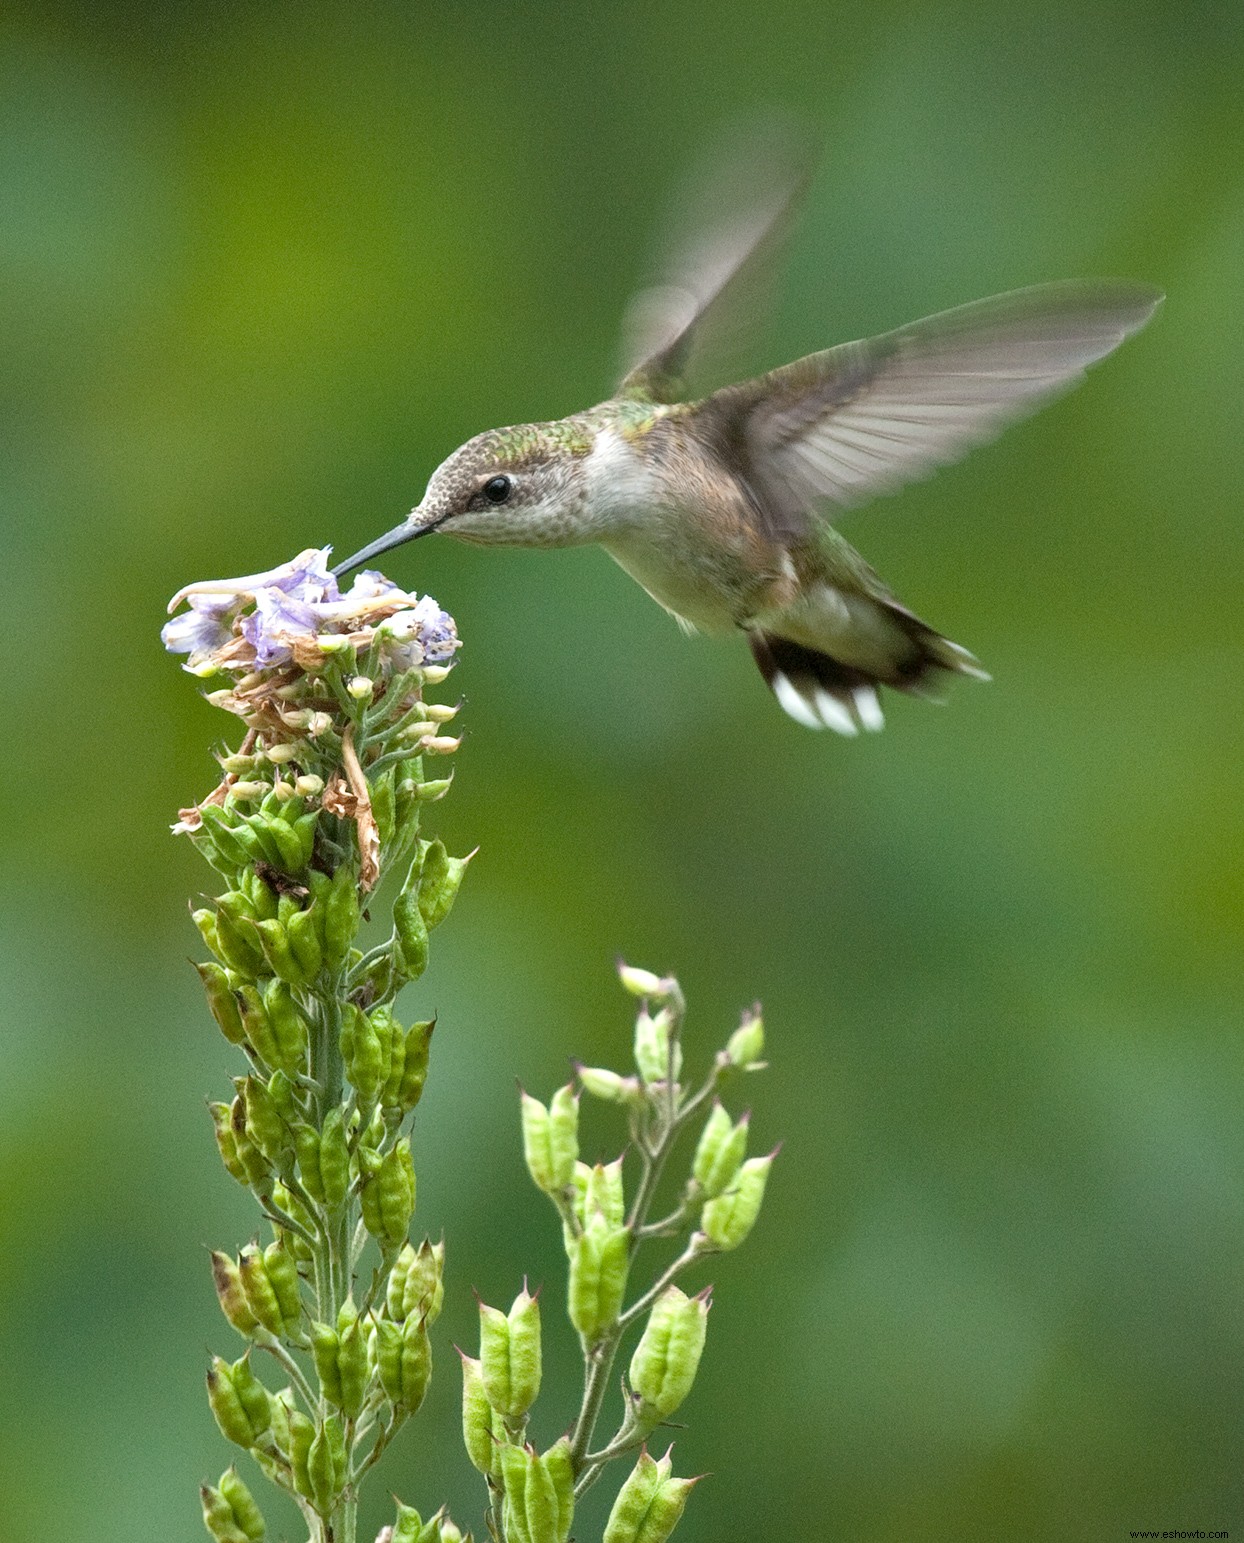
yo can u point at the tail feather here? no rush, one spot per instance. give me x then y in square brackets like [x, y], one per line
[821, 692]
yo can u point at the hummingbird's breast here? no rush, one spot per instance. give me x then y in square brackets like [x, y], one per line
[683, 527]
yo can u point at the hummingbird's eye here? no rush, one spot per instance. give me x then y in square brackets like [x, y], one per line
[497, 489]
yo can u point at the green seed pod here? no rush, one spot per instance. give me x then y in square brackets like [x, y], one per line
[227, 1279]
[727, 1220]
[351, 1360]
[301, 1435]
[293, 1207]
[551, 1139]
[262, 897]
[599, 1258]
[307, 1146]
[385, 1346]
[406, 809]
[719, 1153]
[239, 1401]
[242, 954]
[222, 1002]
[242, 1503]
[304, 939]
[411, 930]
[341, 917]
[334, 1160]
[235, 843]
[226, 1142]
[642, 983]
[439, 880]
[326, 1466]
[260, 1295]
[205, 921]
[304, 830]
[254, 1163]
[425, 1289]
[278, 841]
[655, 1044]
[603, 1192]
[363, 1052]
[539, 1492]
[434, 788]
[278, 952]
[667, 1357]
[409, 1526]
[482, 1442]
[415, 1365]
[414, 1062]
[282, 1272]
[290, 1032]
[415, 1285]
[266, 1127]
[649, 1504]
[383, 803]
[218, 1517]
[387, 1196]
[509, 1355]
[325, 1346]
[746, 1045]
[392, 1042]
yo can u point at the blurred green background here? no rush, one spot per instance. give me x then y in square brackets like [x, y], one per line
[261, 268]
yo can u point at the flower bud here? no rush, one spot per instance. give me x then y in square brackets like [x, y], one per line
[640, 983]
[668, 1354]
[599, 1259]
[434, 674]
[441, 712]
[719, 1153]
[551, 1139]
[611, 1086]
[309, 785]
[509, 1355]
[727, 1220]
[746, 1045]
[649, 1504]
[361, 688]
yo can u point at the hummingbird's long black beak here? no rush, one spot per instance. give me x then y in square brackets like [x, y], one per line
[397, 537]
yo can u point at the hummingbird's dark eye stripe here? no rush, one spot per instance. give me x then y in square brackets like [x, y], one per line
[497, 489]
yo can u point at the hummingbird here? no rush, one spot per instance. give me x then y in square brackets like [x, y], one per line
[720, 505]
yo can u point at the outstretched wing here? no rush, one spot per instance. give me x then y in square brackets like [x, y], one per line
[866, 418]
[734, 217]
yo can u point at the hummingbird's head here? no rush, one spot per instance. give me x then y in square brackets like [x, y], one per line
[522, 486]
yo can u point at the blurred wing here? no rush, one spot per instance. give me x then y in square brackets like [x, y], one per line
[714, 284]
[866, 418]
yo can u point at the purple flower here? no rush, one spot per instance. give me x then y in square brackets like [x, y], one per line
[299, 602]
[202, 629]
